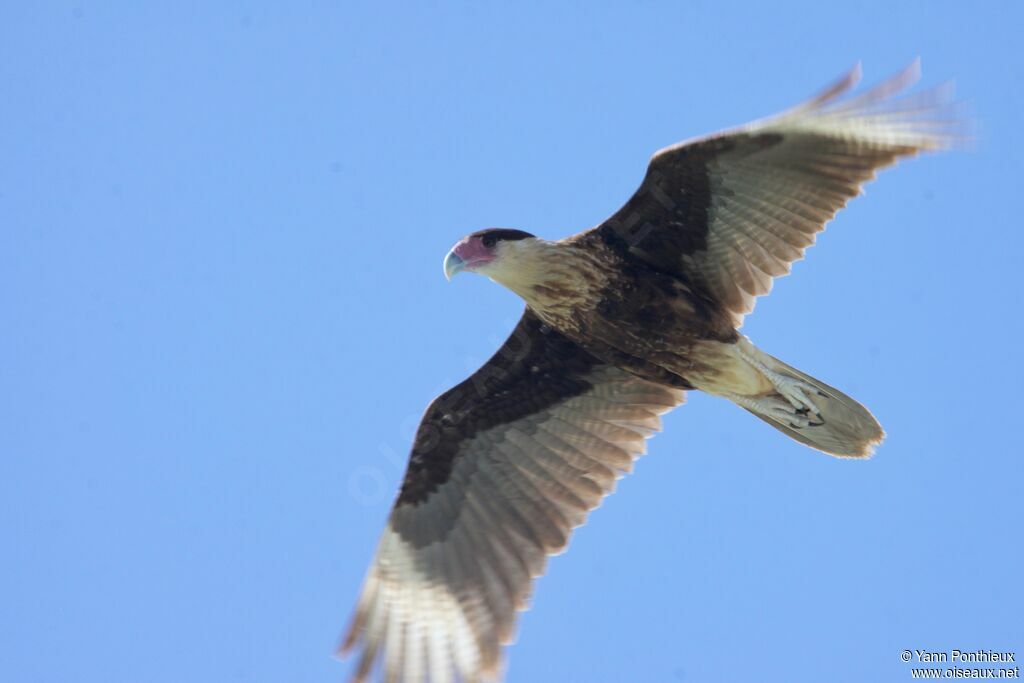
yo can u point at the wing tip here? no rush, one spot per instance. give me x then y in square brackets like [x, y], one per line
[838, 87]
[909, 74]
[346, 644]
[923, 121]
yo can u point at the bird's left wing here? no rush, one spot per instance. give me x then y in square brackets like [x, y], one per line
[732, 211]
[503, 466]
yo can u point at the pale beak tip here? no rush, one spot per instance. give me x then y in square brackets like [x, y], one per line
[453, 265]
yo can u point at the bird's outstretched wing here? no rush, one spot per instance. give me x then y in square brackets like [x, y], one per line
[503, 467]
[732, 211]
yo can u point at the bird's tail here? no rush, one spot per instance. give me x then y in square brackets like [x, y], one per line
[800, 406]
[835, 423]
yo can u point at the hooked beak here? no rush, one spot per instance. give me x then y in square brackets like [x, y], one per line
[453, 265]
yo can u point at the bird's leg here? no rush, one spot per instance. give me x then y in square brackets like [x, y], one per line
[794, 390]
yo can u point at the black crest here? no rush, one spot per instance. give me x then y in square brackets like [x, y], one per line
[495, 235]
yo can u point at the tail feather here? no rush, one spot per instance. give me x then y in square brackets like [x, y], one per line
[846, 428]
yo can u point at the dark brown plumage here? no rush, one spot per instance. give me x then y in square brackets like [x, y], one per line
[535, 369]
[620, 320]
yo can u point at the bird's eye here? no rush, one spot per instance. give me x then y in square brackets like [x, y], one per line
[489, 241]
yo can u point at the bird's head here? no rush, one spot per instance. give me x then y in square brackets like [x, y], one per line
[498, 253]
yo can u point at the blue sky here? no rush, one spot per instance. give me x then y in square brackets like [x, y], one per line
[222, 313]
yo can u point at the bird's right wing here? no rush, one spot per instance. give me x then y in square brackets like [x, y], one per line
[503, 466]
[732, 211]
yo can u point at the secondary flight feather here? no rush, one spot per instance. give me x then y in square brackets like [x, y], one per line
[621, 320]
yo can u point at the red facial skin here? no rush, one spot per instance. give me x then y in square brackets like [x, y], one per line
[473, 252]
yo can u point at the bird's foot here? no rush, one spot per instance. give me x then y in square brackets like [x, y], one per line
[787, 414]
[797, 393]
[778, 410]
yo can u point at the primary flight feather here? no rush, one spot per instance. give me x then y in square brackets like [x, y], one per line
[620, 321]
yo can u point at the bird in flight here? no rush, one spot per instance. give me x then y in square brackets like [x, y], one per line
[621, 321]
